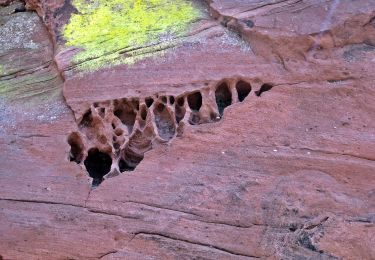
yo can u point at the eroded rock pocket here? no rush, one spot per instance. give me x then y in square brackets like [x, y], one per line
[114, 135]
[164, 122]
[243, 90]
[97, 164]
[263, 88]
[223, 97]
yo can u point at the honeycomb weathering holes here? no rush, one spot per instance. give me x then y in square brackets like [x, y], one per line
[101, 129]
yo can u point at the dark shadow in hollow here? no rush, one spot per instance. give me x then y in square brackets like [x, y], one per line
[195, 101]
[124, 166]
[180, 113]
[97, 164]
[243, 90]
[265, 87]
[223, 97]
[76, 148]
[149, 101]
[126, 114]
[164, 122]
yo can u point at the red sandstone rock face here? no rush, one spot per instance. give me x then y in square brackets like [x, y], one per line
[207, 169]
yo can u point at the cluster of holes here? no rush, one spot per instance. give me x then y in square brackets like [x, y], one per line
[119, 132]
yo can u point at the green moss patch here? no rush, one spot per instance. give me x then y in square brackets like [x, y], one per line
[112, 32]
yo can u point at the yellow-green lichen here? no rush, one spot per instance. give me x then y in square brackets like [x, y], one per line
[112, 32]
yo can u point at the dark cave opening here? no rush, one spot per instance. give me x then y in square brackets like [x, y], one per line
[195, 101]
[127, 117]
[164, 122]
[180, 113]
[124, 166]
[143, 113]
[149, 101]
[223, 97]
[86, 120]
[265, 87]
[171, 100]
[180, 101]
[243, 90]
[97, 165]
[76, 148]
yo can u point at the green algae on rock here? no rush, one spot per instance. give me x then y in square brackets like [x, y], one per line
[112, 32]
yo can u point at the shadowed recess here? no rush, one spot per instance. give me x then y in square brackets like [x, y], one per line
[124, 166]
[223, 97]
[265, 87]
[180, 113]
[164, 122]
[243, 90]
[97, 165]
[125, 112]
[76, 148]
[171, 100]
[149, 101]
[164, 99]
[143, 113]
[195, 101]
[143, 116]
[86, 120]
[180, 101]
[133, 154]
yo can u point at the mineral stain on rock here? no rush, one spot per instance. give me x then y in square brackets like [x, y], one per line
[105, 30]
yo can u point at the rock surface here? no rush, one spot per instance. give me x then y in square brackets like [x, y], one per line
[253, 138]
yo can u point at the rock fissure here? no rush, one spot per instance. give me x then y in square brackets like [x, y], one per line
[159, 207]
[159, 234]
[96, 211]
[107, 254]
[337, 153]
[252, 225]
[42, 202]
